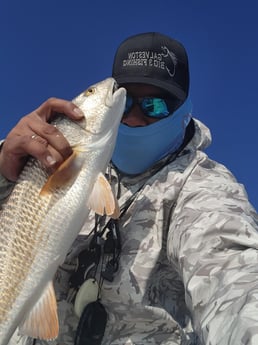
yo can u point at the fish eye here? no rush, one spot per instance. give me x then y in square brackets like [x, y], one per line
[90, 91]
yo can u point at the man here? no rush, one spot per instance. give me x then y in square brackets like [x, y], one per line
[181, 264]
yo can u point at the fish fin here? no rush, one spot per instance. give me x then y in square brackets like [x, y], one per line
[102, 200]
[64, 174]
[42, 320]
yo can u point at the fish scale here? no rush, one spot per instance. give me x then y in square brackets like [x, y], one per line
[21, 250]
[44, 214]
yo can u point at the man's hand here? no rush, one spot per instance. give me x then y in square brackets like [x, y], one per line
[34, 136]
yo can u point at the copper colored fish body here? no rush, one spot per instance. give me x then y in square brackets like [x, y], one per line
[44, 214]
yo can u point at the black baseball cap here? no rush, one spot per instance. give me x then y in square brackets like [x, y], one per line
[153, 58]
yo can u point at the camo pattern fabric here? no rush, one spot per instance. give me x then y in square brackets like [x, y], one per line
[5, 185]
[188, 270]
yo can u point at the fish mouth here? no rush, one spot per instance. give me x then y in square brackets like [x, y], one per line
[115, 86]
[112, 92]
[115, 99]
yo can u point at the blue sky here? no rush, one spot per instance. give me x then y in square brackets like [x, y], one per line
[60, 47]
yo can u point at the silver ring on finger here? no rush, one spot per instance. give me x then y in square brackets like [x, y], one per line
[34, 136]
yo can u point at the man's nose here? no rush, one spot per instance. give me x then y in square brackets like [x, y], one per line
[135, 117]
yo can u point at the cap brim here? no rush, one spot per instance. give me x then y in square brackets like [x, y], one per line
[174, 89]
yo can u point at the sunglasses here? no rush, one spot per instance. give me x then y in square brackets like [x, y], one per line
[152, 106]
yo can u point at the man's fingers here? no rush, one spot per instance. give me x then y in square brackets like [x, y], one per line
[40, 148]
[52, 136]
[56, 105]
[34, 146]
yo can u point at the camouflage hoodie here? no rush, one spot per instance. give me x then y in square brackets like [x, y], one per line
[188, 270]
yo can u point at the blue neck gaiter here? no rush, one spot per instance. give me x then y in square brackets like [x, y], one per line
[138, 148]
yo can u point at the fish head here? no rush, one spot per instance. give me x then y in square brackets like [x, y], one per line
[103, 106]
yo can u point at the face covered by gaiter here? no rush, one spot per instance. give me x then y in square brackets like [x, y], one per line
[138, 148]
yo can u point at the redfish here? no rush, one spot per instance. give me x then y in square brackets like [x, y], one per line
[44, 214]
